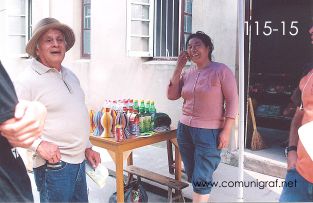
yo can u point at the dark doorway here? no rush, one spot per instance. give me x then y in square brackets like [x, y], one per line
[276, 50]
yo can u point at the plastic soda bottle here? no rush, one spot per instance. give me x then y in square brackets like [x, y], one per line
[125, 123]
[119, 133]
[147, 107]
[134, 123]
[130, 105]
[142, 117]
[147, 120]
[152, 111]
[126, 105]
[135, 106]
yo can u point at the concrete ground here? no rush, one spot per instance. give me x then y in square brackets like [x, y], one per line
[155, 159]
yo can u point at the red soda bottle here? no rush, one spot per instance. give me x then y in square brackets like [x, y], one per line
[119, 133]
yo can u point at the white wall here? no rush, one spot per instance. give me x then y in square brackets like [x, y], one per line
[113, 75]
[218, 19]
[69, 13]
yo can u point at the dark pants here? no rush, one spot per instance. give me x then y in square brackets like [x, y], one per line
[66, 183]
[301, 191]
[198, 148]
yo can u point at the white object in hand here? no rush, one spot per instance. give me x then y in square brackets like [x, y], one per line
[98, 175]
[306, 136]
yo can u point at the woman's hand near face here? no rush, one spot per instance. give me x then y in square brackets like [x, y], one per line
[181, 62]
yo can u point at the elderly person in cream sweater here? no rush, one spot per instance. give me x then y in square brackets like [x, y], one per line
[59, 160]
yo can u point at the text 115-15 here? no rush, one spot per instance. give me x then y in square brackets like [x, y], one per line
[267, 28]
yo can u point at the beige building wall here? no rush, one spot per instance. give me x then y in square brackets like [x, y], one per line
[114, 75]
[110, 73]
[218, 18]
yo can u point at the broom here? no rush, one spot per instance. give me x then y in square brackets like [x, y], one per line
[257, 141]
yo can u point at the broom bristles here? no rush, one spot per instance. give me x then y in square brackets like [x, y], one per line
[257, 142]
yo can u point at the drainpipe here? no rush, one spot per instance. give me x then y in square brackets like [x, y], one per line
[240, 35]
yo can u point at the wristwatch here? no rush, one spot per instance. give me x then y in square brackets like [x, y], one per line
[290, 148]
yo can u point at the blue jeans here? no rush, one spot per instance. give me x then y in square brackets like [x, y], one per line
[64, 183]
[302, 190]
[198, 148]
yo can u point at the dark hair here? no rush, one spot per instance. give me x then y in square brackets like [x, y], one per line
[205, 39]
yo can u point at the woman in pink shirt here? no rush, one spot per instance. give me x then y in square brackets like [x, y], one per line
[210, 107]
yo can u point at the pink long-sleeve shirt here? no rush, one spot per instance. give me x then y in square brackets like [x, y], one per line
[210, 95]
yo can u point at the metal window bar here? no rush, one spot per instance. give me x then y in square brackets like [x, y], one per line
[85, 26]
[173, 21]
[167, 19]
[186, 33]
[29, 19]
[155, 29]
[181, 25]
[166, 25]
[161, 19]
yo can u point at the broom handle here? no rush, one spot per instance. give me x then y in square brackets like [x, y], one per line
[252, 112]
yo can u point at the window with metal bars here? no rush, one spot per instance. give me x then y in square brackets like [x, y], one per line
[158, 28]
[85, 51]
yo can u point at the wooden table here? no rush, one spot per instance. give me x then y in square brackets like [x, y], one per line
[119, 151]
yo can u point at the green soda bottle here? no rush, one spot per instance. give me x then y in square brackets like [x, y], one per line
[147, 120]
[135, 106]
[142, 117]
[152, 111]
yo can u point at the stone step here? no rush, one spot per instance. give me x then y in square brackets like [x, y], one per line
[257, 163]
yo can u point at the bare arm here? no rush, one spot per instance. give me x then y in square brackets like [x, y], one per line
[93, 157]
[295, 124]
[174, 88]
[229, 89]
[225, 133]
[294, 138]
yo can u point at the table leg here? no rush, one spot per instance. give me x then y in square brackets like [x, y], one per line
[119, 176]
[177, 167]
[170, 157]
[130, 162]
[177, 164]
[130, 159]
